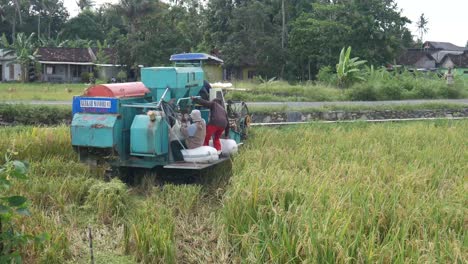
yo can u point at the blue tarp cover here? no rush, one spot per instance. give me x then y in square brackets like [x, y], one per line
[194, 56]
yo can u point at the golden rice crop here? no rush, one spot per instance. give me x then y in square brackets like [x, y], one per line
[350, 193]
[319, 193]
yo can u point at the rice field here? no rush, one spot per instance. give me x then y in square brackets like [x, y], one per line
[318, 193]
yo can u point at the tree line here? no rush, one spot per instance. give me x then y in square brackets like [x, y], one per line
[288, 39]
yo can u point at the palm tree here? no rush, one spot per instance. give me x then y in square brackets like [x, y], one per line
[11, 11]
[49, 7]
[132, 10]
[422, 26]
[83, 4]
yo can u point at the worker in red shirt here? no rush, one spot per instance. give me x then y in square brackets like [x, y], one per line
[218, 122]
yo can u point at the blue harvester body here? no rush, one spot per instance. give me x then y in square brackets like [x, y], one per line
[111, 120]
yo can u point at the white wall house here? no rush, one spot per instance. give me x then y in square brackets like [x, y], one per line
[9, 70]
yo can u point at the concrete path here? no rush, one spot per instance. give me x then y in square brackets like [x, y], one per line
[294, 104]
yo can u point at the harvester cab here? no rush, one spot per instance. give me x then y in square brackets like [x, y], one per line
[127, 124]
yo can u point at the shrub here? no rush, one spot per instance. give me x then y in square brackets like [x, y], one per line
[122, 76]
[326, 75]
[458, 90]
[85, 77]
[362, 92]
[22, 114]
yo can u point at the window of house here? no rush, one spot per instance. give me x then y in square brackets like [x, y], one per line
[50, 69]
[76, 71]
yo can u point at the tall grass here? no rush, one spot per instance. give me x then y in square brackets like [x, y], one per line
[379, 85]
[66, 197]
[388, 193]
[383, 85]
[280, 91]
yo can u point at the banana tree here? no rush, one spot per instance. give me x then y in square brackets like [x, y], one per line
[348, 69]
[25, 51]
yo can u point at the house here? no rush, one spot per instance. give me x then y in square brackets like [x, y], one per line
[417, 58]
[9, 70]
[457, 62]
[71, 64]
[246, 70]
[434, 45]
[431, 56]
[212, 65]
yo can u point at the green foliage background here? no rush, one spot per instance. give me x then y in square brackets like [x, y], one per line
[287, 39]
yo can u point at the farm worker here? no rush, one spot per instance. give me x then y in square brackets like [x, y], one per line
[194, 134]
[205, 91]
[218, 123]
[449, 76]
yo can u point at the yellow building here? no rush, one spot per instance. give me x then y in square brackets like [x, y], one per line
[212, 66]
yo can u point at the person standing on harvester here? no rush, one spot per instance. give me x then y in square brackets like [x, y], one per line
[218, 123]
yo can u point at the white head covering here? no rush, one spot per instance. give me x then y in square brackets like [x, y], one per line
[196, 115]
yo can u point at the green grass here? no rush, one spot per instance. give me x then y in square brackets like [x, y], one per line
[377, 88]
[389, 193]
[40, 91]
[279, 91]
[380, 86]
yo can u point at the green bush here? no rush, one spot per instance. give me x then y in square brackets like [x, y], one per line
[383, 85]
[362, 92]
[122, 76]
[34, 115]
[85, 77]
[456, 91]
[326, 75]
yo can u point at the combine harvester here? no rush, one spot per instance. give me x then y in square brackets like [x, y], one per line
[126, 125]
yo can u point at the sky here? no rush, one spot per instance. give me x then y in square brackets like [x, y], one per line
[448, 19]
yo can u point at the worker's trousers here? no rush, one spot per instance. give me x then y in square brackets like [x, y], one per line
[215, 132]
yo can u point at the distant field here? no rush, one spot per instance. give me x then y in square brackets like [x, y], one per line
[40, 91]
[360, 193]
[277, 91]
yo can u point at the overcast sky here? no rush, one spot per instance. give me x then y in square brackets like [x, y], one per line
[448, 19]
